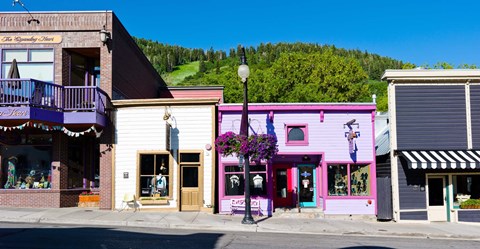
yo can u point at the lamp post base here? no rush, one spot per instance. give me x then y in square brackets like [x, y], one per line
[248, 221]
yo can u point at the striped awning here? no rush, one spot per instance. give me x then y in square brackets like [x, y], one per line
[443, 159]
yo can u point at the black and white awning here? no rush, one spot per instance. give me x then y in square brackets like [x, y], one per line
[443, 159]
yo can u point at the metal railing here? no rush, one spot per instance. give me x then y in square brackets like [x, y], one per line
[44, 95]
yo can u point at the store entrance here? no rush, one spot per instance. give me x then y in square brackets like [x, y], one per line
[190, 189]
[307, 185]
[437, 207]
[282, 185]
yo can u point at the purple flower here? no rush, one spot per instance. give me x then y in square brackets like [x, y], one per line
[258, 146]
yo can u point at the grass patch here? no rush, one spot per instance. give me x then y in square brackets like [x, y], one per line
[180, 73]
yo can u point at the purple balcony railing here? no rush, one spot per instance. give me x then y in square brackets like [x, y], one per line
[44, 95]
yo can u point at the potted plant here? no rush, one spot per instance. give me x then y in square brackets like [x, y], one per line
[470, 204]
[89, 199]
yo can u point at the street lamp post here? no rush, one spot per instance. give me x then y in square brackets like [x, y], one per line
[244, 72]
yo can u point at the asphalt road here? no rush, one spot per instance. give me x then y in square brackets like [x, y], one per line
[33, 236]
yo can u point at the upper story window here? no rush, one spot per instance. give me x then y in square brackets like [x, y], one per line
[297, 134]
[32, 63]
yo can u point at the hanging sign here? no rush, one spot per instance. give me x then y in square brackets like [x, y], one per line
[30, 39]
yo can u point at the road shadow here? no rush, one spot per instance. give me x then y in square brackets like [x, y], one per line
[105, 238]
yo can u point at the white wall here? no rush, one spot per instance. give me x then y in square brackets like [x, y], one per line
[143, 129]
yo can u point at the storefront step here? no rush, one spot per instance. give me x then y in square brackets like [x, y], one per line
[299, 213]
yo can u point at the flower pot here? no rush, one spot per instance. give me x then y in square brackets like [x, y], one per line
[89, 201]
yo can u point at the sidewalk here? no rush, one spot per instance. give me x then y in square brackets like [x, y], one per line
[215, 222]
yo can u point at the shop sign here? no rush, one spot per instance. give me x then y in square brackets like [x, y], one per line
[30, 39]
[13, 112]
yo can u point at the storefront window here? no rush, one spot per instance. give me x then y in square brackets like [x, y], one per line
[359, 180]
[25, 167]
[234, 180]
[337, 180]
[154, 175]
[465, 187]
[348, 179]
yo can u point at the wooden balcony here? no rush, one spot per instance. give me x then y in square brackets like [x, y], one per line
[30, 99]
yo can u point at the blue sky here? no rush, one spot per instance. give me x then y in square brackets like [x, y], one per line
[420, 32]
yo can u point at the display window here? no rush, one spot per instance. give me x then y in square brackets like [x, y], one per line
[26, 167]
[465, 186]
[154, 175]
[235, 180]
[349, 180]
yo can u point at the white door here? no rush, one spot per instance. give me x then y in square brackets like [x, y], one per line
[437, 201]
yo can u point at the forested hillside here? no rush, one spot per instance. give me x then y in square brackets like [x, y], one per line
[283, 72]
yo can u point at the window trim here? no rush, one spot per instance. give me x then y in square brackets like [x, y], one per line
[349, 195]
[222, 194]
[170, 171]
[303, 127]
[2, 62]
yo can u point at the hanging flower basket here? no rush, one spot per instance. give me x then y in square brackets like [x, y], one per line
[258, 146]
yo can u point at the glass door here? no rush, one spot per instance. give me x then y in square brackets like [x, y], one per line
[307, 185]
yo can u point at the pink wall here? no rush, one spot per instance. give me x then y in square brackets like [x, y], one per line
[326, 136]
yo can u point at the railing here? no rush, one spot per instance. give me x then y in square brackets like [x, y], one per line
[44, 95]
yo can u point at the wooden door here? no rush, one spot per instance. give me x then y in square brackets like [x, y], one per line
[190, 195]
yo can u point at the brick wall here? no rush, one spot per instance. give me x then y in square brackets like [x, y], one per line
[123, 68]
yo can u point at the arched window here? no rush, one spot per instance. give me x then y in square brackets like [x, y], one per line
[297, 135]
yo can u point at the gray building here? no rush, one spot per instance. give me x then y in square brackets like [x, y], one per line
[434, 143]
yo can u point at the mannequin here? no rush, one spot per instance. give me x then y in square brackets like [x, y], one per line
[258, 181]
[161, 183]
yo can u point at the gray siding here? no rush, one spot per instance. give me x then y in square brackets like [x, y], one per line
[420, 215]
[431, 117]
[469, 216]
[410, 185]
[475, 113]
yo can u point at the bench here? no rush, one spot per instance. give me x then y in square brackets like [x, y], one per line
[239, 204]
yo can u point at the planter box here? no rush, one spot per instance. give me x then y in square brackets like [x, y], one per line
[89, 201]
[154, 202]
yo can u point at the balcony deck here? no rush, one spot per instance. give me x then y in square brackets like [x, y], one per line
[30, 99]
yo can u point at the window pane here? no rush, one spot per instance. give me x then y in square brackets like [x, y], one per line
[161, 165]
[360, 180]
[190, 157]
[234, 184]
[296, 134]
[258, 167]
[20, 55]
[190, 177]
[38, 71]
[233, 169]
[337, 180]
[147, 165]
[41, 55]
[146, 187]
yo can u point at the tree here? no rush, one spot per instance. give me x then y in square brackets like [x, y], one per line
[314, 77]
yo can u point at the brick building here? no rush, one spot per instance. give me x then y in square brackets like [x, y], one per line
[58, 77]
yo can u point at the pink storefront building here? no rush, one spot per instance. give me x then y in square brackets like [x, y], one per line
[325, 162]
